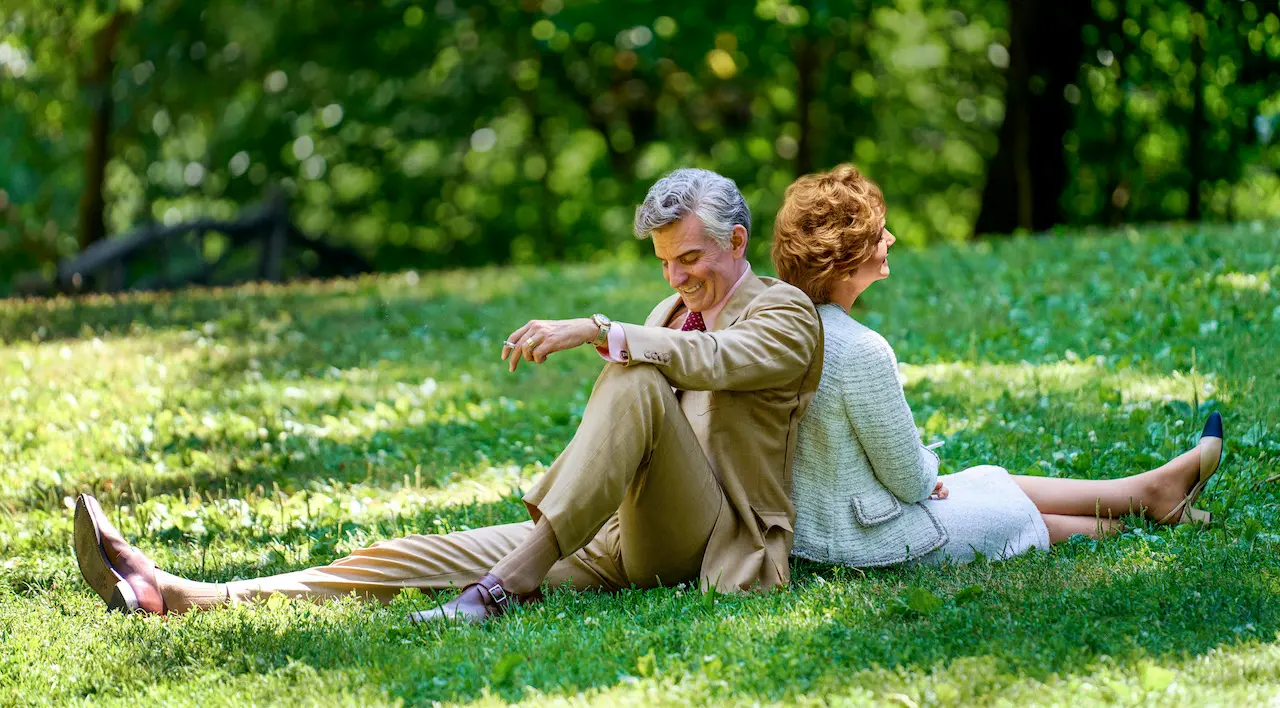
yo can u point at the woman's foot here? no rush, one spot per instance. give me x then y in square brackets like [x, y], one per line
[1185, 477]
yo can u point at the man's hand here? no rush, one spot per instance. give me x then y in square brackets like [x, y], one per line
[939, 492]
[539, 339]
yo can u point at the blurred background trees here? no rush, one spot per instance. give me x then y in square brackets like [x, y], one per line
[451, 133]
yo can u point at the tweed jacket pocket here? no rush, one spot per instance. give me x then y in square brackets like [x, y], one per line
[876, 507]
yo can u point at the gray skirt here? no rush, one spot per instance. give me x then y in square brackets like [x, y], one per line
[986, 512]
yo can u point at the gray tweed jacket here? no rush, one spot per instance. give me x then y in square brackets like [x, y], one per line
[860, 471]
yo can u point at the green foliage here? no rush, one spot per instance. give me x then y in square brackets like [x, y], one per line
[248, 431]
[455, 134]
[1132, 147]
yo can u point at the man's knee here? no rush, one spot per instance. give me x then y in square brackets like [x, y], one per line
[622, 388]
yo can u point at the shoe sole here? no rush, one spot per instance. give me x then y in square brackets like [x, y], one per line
[1193, 515]
[94, 566]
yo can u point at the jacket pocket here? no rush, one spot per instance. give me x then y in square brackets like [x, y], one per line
[873, 508]
[772, 519]
[777, 531]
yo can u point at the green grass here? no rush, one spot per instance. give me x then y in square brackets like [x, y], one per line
[261, 429]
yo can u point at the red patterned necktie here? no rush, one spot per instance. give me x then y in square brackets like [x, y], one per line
[692, 322]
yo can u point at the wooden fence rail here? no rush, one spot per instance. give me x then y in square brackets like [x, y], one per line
[261, 243]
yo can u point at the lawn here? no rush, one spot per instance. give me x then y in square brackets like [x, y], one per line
[255, 430]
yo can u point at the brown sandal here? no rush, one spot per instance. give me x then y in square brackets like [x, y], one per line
[477, 602]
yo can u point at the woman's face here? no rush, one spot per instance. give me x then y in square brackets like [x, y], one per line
[877, 266]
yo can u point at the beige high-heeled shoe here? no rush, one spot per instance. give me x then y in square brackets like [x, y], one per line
[1210, 459]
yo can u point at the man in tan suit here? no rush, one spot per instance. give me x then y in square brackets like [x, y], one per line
[680, 470]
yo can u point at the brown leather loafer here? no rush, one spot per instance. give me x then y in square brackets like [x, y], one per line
[122, 575]
[478, 601]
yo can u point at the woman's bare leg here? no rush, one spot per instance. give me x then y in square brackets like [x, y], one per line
[1062, 527]
[1152, 493]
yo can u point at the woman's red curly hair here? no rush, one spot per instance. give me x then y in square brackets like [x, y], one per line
[829, 224]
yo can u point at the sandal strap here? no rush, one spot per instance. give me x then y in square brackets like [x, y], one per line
[497, 599]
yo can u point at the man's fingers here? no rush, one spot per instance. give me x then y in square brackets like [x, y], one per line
[535, 342]
[544, 350]
[517, 337]
[547, 347]
[515, 341]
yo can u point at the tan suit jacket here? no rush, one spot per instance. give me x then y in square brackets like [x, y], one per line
[745, 386]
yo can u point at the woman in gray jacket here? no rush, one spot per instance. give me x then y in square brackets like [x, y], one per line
[867, 493]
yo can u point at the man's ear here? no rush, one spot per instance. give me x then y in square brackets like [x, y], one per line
[739, 240]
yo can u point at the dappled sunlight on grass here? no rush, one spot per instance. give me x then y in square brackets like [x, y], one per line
[273, 396]
[979, 382]
[1078, 418]
[1257, 282]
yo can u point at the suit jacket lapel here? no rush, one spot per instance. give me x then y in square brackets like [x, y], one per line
[737, 305]
[733, 310]
[664, 312]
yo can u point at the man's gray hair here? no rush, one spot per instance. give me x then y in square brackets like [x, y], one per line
[715, 200]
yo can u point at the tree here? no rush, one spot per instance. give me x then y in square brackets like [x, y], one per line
[96, 88]
[1027, 175]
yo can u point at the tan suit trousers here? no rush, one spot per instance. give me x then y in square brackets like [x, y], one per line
[632, 501]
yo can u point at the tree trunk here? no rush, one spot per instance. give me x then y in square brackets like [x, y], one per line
[1028, 173]
[97, 88]
[807, 70]
[1196, 126]
[1117, 191]
[1019, 111]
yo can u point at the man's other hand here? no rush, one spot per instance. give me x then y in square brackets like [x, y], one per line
[539, 339]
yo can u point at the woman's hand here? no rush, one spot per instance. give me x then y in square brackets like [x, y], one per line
[939, 492]
[539, 339]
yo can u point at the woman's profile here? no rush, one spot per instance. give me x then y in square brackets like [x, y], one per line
[867, 493]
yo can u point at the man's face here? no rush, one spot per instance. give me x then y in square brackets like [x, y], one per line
[695, 265]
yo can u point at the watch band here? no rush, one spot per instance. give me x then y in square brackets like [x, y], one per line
[604, 323]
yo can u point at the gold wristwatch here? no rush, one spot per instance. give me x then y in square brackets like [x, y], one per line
[604, 323]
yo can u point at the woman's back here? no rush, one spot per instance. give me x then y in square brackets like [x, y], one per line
[859, 468]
